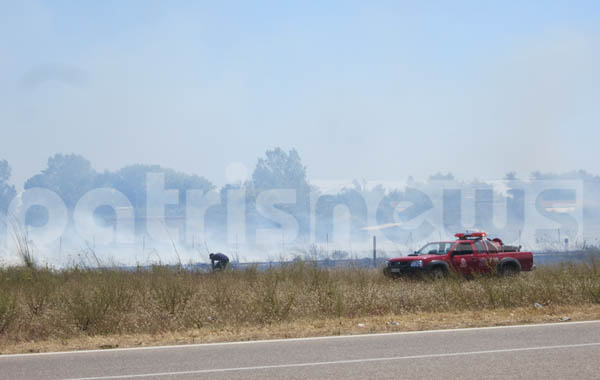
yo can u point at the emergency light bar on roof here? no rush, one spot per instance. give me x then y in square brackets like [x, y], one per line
[471, 235]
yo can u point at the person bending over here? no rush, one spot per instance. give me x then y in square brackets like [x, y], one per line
[218, 261]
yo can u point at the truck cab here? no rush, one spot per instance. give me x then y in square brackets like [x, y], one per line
[470, 253]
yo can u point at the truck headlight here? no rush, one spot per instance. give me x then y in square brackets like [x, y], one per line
[416, 264]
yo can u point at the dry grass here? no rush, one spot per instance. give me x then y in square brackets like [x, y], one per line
[42, 309]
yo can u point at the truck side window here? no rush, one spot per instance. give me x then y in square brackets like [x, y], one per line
[491, 247]
[481, 249]
[463, 249]
[445, 247]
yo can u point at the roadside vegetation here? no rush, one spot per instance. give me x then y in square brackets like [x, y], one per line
[41, 304]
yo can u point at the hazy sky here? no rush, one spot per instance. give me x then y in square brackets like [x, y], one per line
[369, 89]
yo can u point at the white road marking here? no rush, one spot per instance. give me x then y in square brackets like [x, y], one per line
[284, 340]
[336, 362]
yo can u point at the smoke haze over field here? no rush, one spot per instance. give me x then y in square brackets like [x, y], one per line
[71, 214]
[377, 96]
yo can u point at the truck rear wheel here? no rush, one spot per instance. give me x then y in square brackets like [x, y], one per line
[509, 269]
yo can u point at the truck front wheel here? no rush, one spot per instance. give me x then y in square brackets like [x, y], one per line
[438, 272]
[387, 272]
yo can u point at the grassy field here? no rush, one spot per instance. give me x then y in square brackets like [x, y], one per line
[43, 309]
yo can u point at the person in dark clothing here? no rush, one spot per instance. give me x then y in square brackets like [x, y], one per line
[218, 261]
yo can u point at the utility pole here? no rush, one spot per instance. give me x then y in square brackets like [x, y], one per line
[237, 256]
[374, 251]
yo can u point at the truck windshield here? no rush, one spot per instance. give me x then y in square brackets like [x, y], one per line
[435, 249]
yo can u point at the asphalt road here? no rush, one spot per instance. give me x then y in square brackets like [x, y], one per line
[570, 350]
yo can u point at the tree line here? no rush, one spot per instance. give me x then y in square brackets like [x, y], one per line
[71, 176]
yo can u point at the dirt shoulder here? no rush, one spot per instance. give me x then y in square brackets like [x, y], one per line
[320, 327]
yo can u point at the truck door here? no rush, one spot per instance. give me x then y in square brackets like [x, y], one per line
[482, 262]
[492, 255]
[463, 259]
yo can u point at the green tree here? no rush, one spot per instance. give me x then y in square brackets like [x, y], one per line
[131, 181]
[70, 176]
[281, 170]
